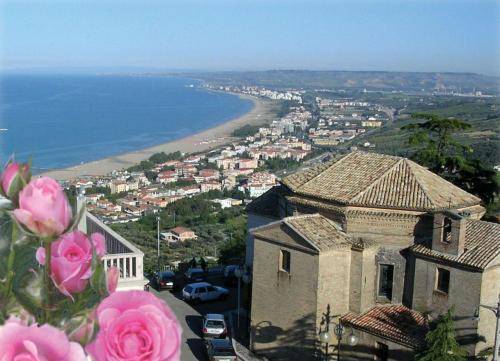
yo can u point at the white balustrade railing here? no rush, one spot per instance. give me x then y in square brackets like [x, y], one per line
[129, 264]
[121, 253]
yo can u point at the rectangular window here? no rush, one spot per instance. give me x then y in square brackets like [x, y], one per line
[385, 280]
[443, 280]
[285, 261]
[446, 231]
[381, 351]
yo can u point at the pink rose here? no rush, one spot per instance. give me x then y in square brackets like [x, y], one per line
[19, 342]
[99, 243]
[71, 261]
[13, 178]
[112, 276]
[43, 207]
[135, 325]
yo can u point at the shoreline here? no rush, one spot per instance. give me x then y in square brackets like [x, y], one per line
[198, 142]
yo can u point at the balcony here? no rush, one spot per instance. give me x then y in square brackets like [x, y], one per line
[120, 253]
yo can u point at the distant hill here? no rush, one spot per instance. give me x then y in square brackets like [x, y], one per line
[370, 80]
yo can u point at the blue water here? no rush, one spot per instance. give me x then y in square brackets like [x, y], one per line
[63, 120]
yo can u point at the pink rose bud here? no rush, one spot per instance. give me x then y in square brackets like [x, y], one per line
[13, 178]
[70, 262]
[43, 208]
[99, 243]
[33, 343]
[135, 325]
[112, 276]
[85, 331]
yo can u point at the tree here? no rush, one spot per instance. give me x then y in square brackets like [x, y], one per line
[437, 149]
[441, 344]
[434, 137]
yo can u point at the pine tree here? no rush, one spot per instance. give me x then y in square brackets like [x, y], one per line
[441, 344]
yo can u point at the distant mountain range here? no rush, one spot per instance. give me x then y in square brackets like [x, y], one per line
[369, 80]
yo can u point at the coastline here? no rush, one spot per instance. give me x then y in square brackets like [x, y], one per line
[198, 142]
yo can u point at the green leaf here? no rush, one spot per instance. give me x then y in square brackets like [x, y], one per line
[98, 278]
[26, 281]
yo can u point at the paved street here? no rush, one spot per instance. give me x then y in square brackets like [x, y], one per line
[190, 317]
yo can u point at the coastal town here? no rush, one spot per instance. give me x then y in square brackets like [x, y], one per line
[245, 164]
[270, 189]
[274, 180]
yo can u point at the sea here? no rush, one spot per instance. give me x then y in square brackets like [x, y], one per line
[64, 120]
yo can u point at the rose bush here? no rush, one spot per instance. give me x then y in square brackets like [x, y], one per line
[52, 278]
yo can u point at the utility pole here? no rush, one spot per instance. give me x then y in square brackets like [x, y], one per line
[158, 242]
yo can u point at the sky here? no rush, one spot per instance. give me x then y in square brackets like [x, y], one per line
[394, 35]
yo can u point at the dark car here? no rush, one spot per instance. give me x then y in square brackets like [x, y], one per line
[164, 280]
[220, 350]
[230, 278]
[194, 275]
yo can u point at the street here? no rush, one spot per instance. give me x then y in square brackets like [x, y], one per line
[190, 318]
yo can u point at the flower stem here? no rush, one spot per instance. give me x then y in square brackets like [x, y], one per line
[47, 281]
[10, 271]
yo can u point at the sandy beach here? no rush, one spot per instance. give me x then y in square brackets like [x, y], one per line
[198, 142]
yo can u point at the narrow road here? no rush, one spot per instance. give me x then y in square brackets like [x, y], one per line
[190, 318]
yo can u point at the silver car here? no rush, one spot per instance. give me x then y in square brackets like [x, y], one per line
[214, 325]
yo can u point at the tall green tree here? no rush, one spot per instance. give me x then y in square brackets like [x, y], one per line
[433, 138]
[441, 343]
[437, 148]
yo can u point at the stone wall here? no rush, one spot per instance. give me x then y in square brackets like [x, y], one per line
[490, 293]
[464, 294]
[254, 221]
[334, 281]
[392, 256]
[283, 319]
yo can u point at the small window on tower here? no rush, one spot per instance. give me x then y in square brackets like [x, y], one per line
[285, 261]
[443, 280]
[446, 230]
[385, 279]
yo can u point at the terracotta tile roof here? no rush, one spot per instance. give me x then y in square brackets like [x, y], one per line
[396, 323]
[378, 180]
[179, 230]
[320, 231]
[482, 245]
[316, 232]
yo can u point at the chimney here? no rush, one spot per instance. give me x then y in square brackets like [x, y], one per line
[449, 231]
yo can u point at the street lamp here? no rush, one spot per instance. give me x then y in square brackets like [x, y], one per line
[326, 338]
[158, 243]
[496, 311]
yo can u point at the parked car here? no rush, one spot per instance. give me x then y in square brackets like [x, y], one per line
[195, 275]
[203, 291]
[214, 325]
[229, 276]
[220, 350]
[164, 280]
